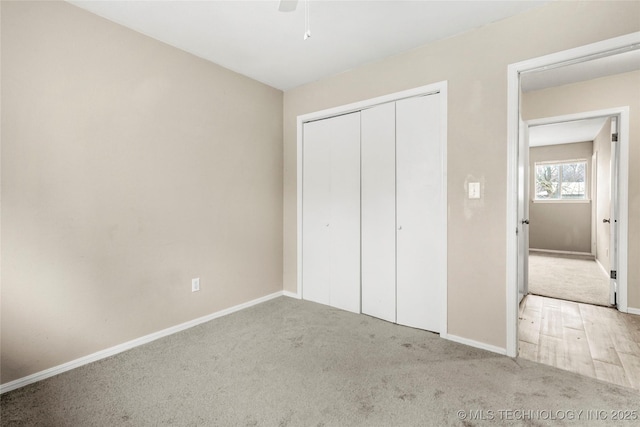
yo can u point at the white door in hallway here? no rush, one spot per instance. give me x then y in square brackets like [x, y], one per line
[613, 214]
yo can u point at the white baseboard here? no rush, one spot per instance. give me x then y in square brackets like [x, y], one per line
[552, 251]
[632, 310]
[606, 273]
[38, 376]
[477, 344]
[291, 294]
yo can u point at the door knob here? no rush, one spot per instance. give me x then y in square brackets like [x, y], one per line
[606, 220]
[525, 221]
[400, 228]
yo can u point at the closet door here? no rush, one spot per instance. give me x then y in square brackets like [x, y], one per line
[379, 212]
[331, 212]
[420, 220]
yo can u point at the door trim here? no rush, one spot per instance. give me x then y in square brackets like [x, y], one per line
[622, 115]
[578, 54]
[435, 88]
[593, 191]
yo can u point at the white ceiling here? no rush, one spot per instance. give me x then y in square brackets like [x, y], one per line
[566, 132]
[255, 39]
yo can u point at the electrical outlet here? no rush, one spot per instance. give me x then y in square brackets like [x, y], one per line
[195, 284]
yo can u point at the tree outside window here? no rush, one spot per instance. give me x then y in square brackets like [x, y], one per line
[561, 180]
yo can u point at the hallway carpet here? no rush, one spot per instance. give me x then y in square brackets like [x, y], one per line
[288, 362]
[569, 278]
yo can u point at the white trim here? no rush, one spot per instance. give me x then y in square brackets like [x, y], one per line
[477, 344]
[291, 295]
[513, 129]
[559, 162]
[361, 105]
[623, 208]
[560, 201]
[439, 87]
[38, 376]
[593, 190]
[513, 116]
[445, 205]
[631, 310]
[300, 157]
[606, 273]
[578, 54]
[622, 113]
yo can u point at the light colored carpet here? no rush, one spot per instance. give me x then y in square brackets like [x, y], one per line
[568, 278]
[294, 363]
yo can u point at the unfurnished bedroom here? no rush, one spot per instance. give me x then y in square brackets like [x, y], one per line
[319, 213]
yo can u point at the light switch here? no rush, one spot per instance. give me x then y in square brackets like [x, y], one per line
[474, 190]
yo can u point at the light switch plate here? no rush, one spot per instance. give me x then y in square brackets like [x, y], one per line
[474, 190]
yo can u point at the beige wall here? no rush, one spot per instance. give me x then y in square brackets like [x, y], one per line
[602, 148]
[608, 92]
[128, 167]
[558, 225]
[475, 65]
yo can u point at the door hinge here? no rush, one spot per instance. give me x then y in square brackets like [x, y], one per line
[614, 274]
[614, 137]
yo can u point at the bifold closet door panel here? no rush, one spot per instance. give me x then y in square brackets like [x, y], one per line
[331, 212]
[316, 214]
[345, 213]
[420, 200]
[379, 212]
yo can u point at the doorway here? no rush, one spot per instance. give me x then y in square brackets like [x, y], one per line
[573, 192]
[587, 339]
[516, 221]
[571, 171]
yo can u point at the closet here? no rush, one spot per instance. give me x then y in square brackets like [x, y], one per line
[331, 206]
[373, 216]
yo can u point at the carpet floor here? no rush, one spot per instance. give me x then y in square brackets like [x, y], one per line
[568, 278]
[294, 363]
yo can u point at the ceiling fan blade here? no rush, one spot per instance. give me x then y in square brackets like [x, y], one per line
[287, 5]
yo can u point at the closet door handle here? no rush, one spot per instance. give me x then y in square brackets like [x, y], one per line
[606, 220]
[400, 228]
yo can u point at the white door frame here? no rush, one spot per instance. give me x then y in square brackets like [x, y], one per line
[622, 181]
[593, 191]
[579, 54]
[439, 87]
[523, 211]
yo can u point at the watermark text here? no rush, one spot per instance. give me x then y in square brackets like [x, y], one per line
[549, 414]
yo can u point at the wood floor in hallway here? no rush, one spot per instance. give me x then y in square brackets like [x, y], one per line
[595, 341]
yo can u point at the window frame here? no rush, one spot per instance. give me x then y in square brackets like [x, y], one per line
[560, 163]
